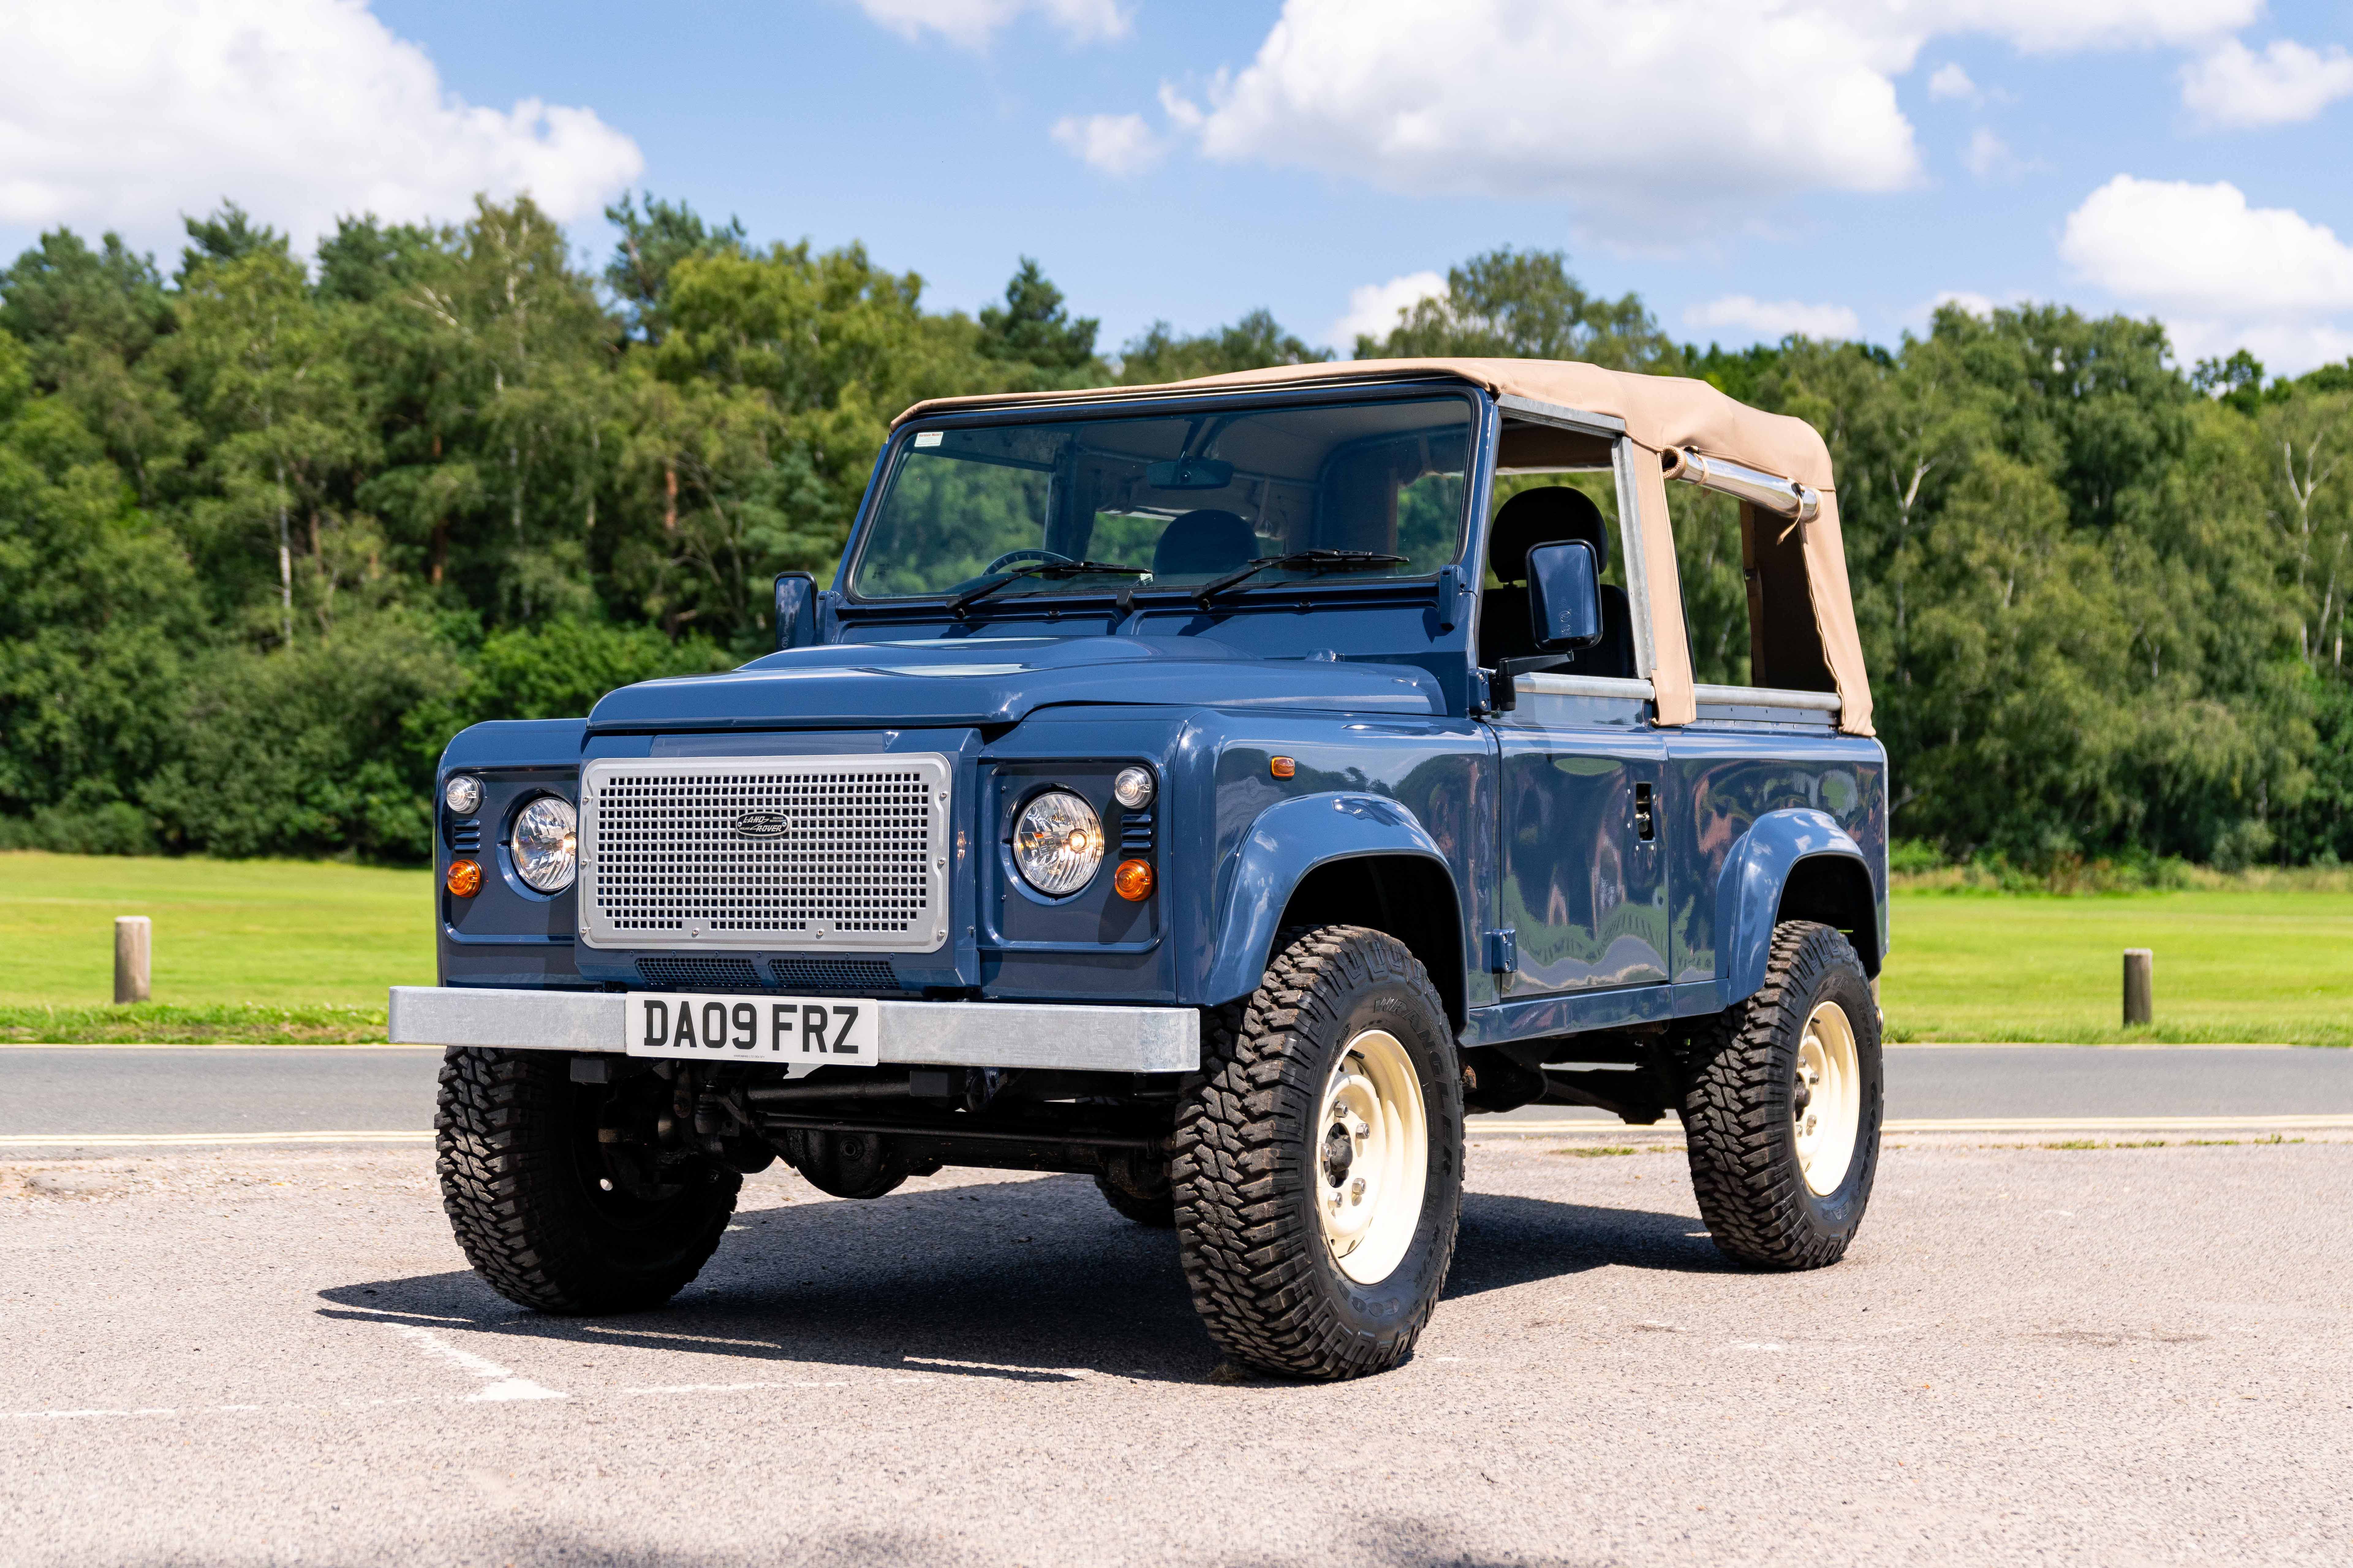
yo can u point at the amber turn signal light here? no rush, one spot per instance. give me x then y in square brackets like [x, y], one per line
[465, 878]
[1282, 767]
[1133, 881]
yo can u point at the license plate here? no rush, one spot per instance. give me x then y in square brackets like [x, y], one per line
[798, 1033]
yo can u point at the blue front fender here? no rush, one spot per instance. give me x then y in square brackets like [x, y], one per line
[1748, 894]
[1286, 842]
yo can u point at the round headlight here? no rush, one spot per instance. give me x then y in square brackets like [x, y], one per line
[1133, 788]
[547, 844]
[462, 794]
[1058, 843]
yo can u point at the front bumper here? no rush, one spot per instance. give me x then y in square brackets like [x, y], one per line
[913, 1034]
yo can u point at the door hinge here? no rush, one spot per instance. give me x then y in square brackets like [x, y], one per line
[1503, 951]
[1646, 817]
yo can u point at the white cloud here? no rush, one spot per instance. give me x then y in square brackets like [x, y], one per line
[1951, 81]
[2218, 270]
[2287, 82]
[971, 22]
[1115, 143]
[124, 114]
[1775, 318]
[1373, 309]
[1666, 115]
[1989, 157]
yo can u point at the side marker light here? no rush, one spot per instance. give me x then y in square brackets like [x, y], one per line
[465, 878]
[1282, 767]
[1133, 881]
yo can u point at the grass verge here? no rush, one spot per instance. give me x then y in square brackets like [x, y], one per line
[2237, 966]
[154, 1023]
[274, 934]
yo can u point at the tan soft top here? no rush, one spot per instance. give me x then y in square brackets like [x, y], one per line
[1660, 411]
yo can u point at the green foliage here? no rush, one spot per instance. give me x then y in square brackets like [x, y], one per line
[1035, 327]
[1524, 305]
[1254, 342]
[228, 235]
[652, 244]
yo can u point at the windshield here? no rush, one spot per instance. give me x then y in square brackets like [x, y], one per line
[1091, 506]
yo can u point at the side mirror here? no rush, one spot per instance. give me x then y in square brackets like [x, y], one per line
[1563, 595]
[796, 610]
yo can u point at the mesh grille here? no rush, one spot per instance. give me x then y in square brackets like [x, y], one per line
[735, 972]
[767, 852]
[860, 974]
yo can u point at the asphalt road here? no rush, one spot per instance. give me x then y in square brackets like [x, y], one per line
[282, 1088]
[2111, 1355]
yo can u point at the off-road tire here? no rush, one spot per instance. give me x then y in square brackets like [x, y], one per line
[520, 1174]
[1262, 1275]
[1737, 1109]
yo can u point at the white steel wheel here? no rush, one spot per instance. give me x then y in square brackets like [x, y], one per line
[1371, 1157]
[1826, 1100]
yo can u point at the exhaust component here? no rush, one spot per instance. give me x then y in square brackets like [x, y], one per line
[1783, 497]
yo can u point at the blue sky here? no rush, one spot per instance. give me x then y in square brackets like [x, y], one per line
[1748, 167]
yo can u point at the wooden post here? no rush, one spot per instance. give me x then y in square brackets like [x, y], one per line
[135, 941]
[2139, 986]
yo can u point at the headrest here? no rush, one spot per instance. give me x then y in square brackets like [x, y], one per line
[1203, 540]
[1546, 516]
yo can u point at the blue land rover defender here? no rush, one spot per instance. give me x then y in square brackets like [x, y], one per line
[1222, 789]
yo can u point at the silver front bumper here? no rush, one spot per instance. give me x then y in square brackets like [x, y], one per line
[915, 1034]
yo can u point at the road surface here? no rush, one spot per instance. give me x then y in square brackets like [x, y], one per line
[58, 1093]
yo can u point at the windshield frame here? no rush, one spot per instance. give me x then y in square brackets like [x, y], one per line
[1478, 436]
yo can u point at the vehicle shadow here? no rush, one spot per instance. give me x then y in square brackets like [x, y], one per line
[1027, 1281]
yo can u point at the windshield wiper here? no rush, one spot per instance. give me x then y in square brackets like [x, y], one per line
[1317, 560]
[1038, 568]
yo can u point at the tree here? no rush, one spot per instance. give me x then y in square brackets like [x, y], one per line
[265, 374]
[1256, 341]
[1523, 305]
[62, 290]
[652, 243]
[366, 259]
[1035, 327]
[228, 234]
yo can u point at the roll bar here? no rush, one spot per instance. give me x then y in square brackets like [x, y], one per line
[1784, 497]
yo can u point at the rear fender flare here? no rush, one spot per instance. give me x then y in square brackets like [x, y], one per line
[1749, 893]
[1286, 842]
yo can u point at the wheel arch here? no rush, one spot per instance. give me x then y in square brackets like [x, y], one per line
[1343, 858]
[1792, 864]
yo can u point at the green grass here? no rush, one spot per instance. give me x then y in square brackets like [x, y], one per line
[269, 950]
[2253, 966]
[275, 950]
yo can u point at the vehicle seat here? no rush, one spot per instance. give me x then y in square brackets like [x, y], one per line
[1203, 544]
[1549, 516]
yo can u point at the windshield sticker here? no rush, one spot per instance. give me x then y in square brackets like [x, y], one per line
[928, 437]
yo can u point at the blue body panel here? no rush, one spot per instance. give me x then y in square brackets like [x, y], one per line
[1285, 843]
[1527, 819]
[1748, 891]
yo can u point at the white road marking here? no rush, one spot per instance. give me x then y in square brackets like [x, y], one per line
[924, 1361]
[1613, 1133]
[501, 1384]
[735, 1387]
[686, 1339]
[197, 1140]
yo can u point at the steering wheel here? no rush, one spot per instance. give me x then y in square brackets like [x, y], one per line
[1010, 556]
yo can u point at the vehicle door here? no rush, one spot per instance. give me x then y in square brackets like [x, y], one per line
[1582, 881]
